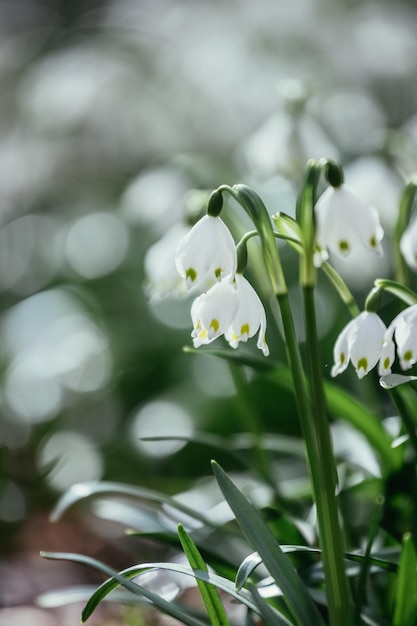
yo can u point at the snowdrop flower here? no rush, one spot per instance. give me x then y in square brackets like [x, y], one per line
[212, 313]
[343, 220]
[249, 317]
[408, 244]
[231, 308]
[363, 342]
[207, 251]
[404, 329]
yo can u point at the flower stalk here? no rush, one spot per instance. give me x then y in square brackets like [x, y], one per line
[312, 415]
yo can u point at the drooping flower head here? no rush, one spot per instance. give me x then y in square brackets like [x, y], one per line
[249, 316]
[364, 343]
[343, 221]
[212, 312]
[403, 329]
[231, 308]
[206, 252]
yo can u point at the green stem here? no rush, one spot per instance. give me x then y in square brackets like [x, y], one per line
[328, 515]
[404, 212]
[315, 431]
[342, 289]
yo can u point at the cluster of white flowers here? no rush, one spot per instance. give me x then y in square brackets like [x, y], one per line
[206, 256]
[231, 307]
[366, 340]
[343, 221]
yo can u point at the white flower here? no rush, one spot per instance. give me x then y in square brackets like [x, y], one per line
[343, 220]
[249, 317]
[364, 343]
[231, 308]
[404, 330]
[213, 312]
[408, 244]
[207, 251]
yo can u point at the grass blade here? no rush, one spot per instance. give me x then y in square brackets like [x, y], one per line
[210, 595]
[296, 595]
[161, 604]
[406, 588]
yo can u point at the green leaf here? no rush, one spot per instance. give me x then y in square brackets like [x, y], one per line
[210, 595]
[123, 578]
[296, 595]
[389, 381]
[251, 562]
[160, 603]
[268, 614]
[406, 587]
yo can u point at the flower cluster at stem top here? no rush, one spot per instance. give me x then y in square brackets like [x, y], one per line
[231, 307]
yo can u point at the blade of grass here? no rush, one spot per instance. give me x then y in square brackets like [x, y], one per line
[210, 595]
[124, 576]
[296, 595]
[406, 588]
[268, 614]
[161, 604]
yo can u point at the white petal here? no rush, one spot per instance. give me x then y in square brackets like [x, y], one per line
[386, 358]
[404, 328]
[366, 344]
[212, 313]
[249, 316]
[341, 350]
[343, 220]
[208, 250]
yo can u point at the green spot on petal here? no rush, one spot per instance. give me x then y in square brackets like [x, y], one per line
[244, 329]
[373, 242]
[191, 274]
[408, 355]
[342, 358]
[386, 362]
[363, 364]
[218, 273]
[344, 246]
[214, 324]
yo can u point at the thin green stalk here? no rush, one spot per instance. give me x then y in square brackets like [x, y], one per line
[328, 515]
[321, 466]
[404, 212]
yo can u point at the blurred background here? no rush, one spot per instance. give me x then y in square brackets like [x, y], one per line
[115, 118]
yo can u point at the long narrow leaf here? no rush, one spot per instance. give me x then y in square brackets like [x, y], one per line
[262, 540]
[252, 561]
[112, 583]
[160, 603]
[268, 614]
[210, 595]
[406, 588]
